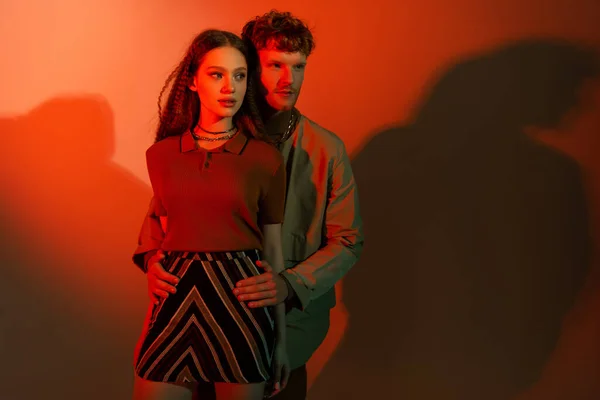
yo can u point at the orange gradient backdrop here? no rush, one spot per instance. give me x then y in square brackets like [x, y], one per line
[79, 82]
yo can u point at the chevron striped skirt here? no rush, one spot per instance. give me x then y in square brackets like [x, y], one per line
[203, 332]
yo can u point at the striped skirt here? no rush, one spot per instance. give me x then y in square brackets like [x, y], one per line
[203, 332]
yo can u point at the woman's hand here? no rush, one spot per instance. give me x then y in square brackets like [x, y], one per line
[281, 369]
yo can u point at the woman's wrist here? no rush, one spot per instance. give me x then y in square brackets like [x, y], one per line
[280, 328]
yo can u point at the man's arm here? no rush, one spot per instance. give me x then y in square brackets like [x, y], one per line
[148, 256]
[343, 240]
[151, 235]
[342, 247]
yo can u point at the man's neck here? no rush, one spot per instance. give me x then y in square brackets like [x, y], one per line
[278, 122]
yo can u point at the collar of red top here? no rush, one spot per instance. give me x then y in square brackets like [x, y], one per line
[233, 145]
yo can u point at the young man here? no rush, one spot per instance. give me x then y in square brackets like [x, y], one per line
[322, 229]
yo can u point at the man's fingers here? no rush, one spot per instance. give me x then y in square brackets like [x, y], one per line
[155, 267]
[265, 294]
[154, 298]
[160, 282]
[156, 259]
[160, 293]
[265, 265]
[261, 287]
[158, 256]
[167, 277]
[254, 280]
[163, 275]
[162, 285]
[263, 303]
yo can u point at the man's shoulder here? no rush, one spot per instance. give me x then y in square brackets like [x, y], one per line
[326, 138]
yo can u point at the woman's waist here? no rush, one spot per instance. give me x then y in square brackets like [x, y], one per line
[206, 240]
[220, 255]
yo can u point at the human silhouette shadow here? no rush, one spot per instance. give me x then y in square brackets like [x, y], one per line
[73, 303]
[477, 237]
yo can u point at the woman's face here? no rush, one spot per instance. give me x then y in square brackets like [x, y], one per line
[221, 82]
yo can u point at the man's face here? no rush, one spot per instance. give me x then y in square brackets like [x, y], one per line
[281, 75]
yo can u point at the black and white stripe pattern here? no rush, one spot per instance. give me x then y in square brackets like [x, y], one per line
[203, 332]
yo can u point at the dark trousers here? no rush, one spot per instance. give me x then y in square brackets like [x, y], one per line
[295, 390]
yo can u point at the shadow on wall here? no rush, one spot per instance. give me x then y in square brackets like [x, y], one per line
[477, 236]
[72, 301]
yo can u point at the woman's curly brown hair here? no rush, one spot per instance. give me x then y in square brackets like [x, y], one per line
[181, 110]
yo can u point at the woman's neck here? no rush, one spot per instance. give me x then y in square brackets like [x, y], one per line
[215, 124]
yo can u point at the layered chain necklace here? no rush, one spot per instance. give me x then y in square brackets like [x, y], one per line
[229, 134]
[281, 139]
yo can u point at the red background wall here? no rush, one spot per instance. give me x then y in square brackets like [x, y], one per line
[79, 82]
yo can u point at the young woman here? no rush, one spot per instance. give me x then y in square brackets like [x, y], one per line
[217, 207]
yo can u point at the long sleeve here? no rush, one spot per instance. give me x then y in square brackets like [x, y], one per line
[343, 237]
[151, 235]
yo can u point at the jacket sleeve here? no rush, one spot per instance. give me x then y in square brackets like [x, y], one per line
[343, 235]
[151, 235]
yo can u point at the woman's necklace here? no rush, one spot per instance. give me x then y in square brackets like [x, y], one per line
[217, 133]
[231, 133]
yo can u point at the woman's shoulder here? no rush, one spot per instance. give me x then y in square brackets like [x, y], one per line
[164, 146]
